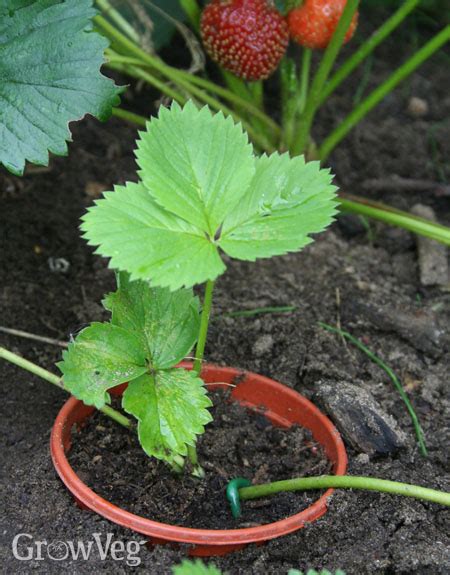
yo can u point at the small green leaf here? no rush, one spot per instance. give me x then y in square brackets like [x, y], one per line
[196, 567]
[102, 356]
[171, 407]
[149, 242]
[287, 201]
[195, 164]
[166, 323]
[49, 75]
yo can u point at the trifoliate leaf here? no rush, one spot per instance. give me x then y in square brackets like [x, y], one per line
[49, 76]
[102, 356]
[195, 164]
[171, 407]
[201, 191]
[166, 323]
[144, 239]
[196, 567]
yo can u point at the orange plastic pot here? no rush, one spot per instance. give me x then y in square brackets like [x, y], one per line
[280, 404]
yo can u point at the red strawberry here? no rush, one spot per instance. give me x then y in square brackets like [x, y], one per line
[246, 37]
[312, 24]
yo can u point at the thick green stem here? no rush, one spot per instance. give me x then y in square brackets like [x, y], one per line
[379, 93]
[129, 116]
[55, 380]
[204, 323]
[192, 11]
[367, 48]
[346, 482]
[304, 79]
[321, 76]
[109, 10]
[392, 216]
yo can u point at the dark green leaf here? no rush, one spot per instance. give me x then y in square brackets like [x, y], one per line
[49, 76]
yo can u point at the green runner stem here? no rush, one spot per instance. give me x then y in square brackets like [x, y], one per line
[55, 380]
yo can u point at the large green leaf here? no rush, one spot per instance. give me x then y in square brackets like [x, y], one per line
[171, 407]
[202, 191]
[49, 76]
[149, 242]
[167, 324]
[102, 357]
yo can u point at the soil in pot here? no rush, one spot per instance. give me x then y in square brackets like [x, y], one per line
[239, 442]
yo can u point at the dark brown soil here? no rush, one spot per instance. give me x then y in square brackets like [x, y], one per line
[239, 443]
[374, 274]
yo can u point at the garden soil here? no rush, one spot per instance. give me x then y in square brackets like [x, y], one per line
[366, 278]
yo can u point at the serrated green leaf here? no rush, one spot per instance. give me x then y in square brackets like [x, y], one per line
[171, 407]
[146, 240]
[102, 356]
[196, 567]
[195, 164]
[49, 75]
[287, 201]
[202, 192]
[166, 323]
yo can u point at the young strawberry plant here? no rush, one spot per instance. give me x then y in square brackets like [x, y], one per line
[202, 192]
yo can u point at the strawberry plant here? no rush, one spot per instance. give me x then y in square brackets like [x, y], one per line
[205, 195]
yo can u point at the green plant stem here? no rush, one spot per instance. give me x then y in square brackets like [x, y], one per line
[204, 323]
[321, 76]
[55, 380]
[346, 482]
[129, 116]
[137, 72]
[369, 46]
[304, 78]
[397, 384]
[289, 86]
[192, 11]
[392, 216]
[379, 93]
[109, 10]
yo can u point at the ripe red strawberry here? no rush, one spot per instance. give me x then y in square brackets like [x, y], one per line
[312, 24]
[246, 37]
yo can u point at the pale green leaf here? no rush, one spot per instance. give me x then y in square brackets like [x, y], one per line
[287, 201]
[166, 322]
[194, 200]
[101, 357]
[49, 75]
[149, 242]
[195, 164]
[196, 567]
[171, 407]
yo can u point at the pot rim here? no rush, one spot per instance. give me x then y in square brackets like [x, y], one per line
[190, 535]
